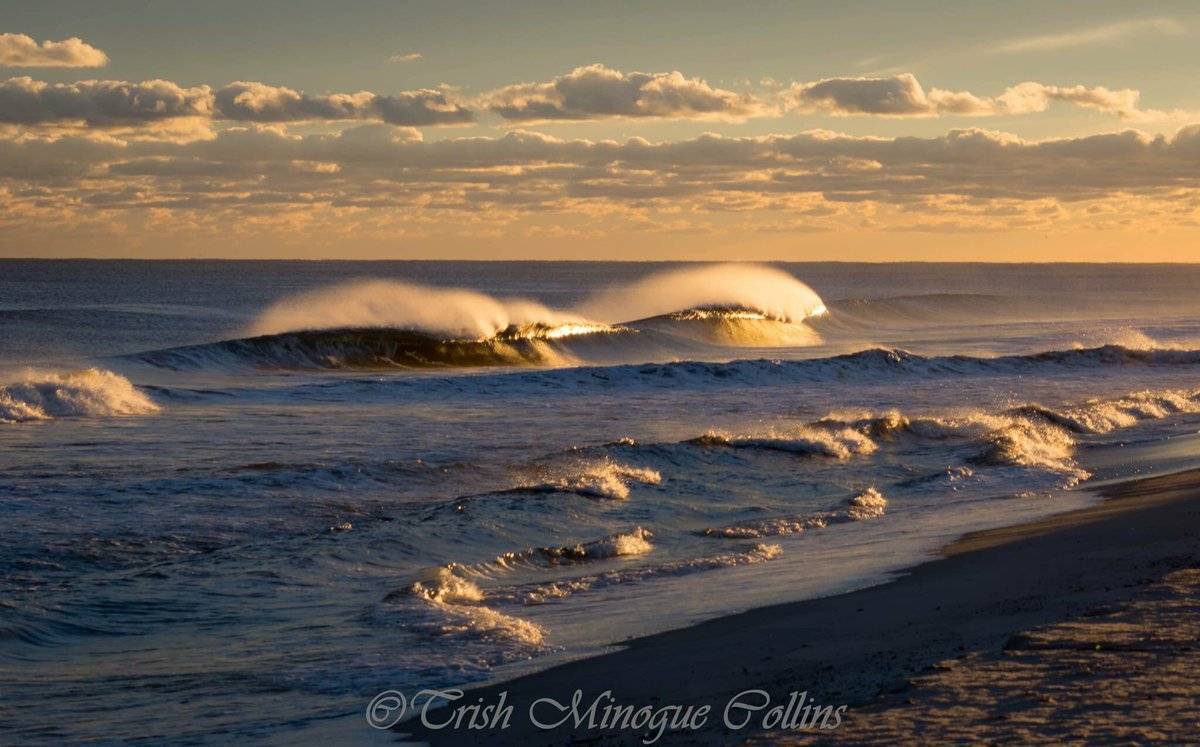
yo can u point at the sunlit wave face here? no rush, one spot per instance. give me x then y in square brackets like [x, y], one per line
[558, 331]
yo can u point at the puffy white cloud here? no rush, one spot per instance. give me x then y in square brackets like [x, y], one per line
[20, 50]
[405, 57]
[597, 92]
[99, 103]
[258, 102]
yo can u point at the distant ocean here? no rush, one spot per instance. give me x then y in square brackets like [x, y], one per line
[241, 498]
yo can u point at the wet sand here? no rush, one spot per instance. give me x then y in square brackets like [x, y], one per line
[887, 652]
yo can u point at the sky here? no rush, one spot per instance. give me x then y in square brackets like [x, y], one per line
[878, 131]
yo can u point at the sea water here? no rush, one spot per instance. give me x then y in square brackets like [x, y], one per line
[241, 498]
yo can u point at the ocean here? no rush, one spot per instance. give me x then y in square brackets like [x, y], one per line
[241, 498]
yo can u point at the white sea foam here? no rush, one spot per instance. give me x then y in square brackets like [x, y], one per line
[459, 609]
[460, 604]
[633, 542]
[1132, 338]
[90, 392]
[821, 439]
[776, 527]
[542, 593]
[636, 542]
[869, 504]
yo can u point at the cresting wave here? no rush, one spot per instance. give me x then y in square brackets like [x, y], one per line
[590, 478]
[383, 324]
[91, 392]
[823, 439]
[458, 610]
[634, 542]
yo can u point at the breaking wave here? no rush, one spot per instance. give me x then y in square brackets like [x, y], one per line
[1029, 436]
[442, 313]
[455, 606]
[622, 544]
[773, 293]
[819, 439]
[91, 392]
[381, 324]
[600, 478]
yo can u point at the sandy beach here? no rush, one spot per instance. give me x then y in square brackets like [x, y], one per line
[1076, 627]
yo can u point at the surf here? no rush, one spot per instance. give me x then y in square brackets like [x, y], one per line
[390, 324]
[91, 392]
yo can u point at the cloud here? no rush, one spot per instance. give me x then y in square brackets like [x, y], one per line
[405, 57]
[1035, 97]
[895, 96]
[258, 102]
[528, 168]
[19, 50]
[111, 103]
[903, 96]
[389, 181]
[99, 103]
[590, 93]
[423, 107]
[1104, 34]
[599, 92]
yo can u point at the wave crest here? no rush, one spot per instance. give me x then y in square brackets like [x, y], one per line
[447, 313]
[772, 292]
[90, 392]
[621, 544]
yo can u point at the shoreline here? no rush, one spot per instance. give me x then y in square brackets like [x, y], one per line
[851, 649]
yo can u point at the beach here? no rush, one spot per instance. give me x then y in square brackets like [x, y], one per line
[1034, 632]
